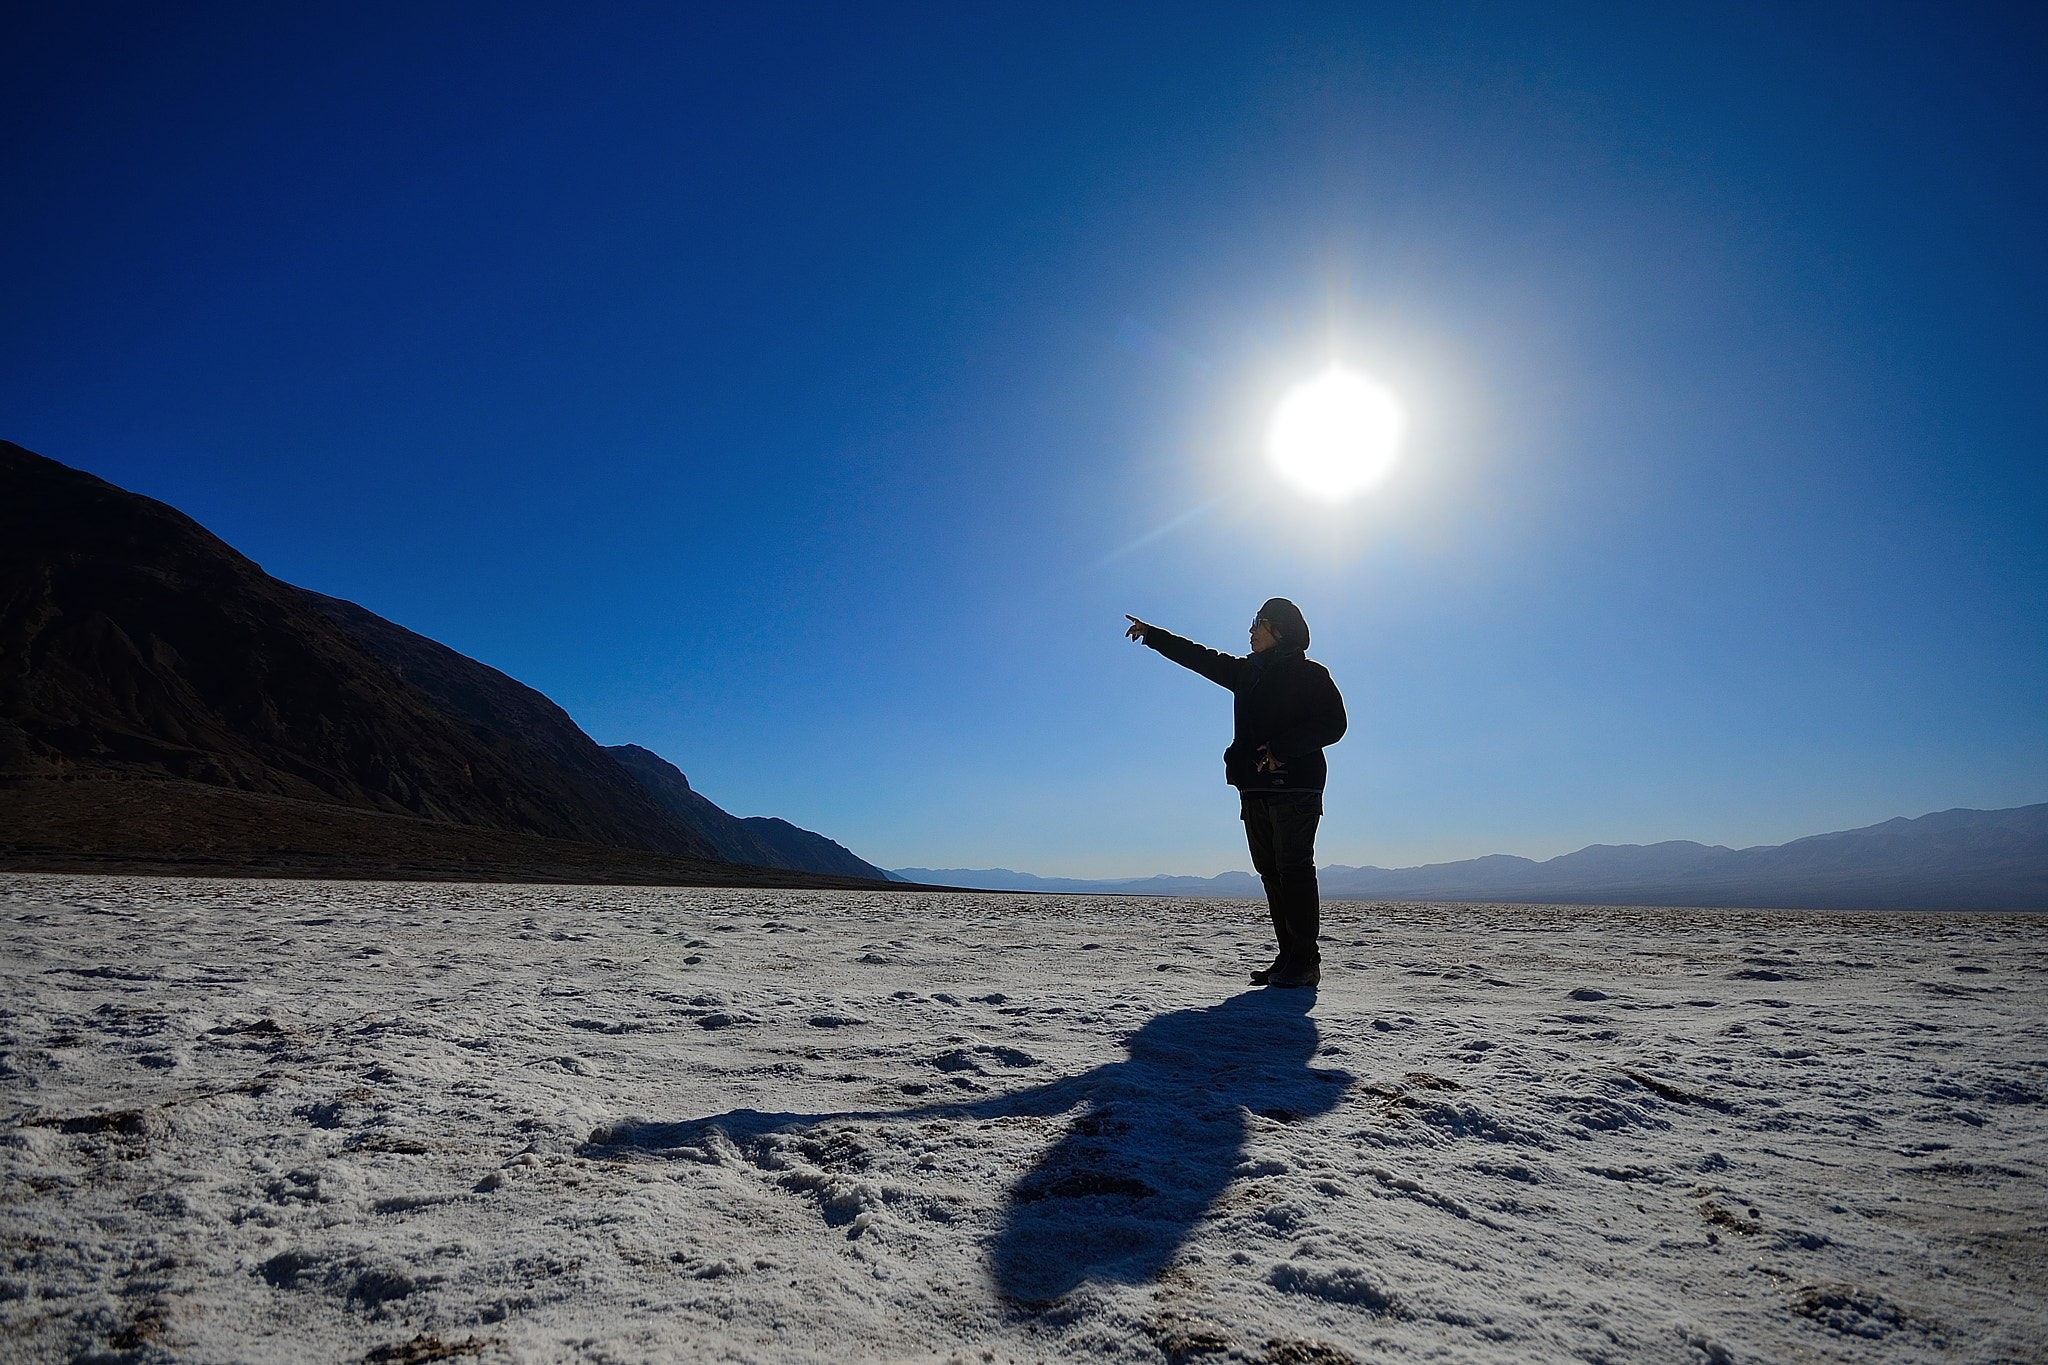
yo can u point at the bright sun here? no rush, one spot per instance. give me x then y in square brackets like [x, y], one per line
[1337, 435]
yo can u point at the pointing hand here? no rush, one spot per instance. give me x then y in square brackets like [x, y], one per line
[1138, 628]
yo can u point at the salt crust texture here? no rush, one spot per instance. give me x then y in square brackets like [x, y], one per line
[278, 1121]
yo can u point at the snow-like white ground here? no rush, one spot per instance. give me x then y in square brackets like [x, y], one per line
[277, 1121]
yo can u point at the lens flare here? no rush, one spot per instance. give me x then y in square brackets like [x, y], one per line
[1337, 435]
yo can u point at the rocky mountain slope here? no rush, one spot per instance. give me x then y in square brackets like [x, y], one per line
[760, 840]
[137, 647]
[134, 641]
[518, 724]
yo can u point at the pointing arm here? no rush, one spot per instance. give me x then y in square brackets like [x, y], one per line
[1213, 664]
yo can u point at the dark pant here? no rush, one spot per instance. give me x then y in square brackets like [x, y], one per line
[1281, 830]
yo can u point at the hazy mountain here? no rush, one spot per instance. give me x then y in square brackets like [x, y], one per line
[762, 841]
[1953, 860]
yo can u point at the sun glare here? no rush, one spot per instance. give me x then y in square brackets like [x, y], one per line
[1337, 435]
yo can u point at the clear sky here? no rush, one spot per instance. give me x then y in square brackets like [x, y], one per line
[801, 393]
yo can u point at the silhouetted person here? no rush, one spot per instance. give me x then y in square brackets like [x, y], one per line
[1286, 710]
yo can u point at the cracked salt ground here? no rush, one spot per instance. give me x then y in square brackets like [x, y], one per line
[254, 1121]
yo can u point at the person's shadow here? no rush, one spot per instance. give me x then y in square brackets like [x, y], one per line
[1156, 1139]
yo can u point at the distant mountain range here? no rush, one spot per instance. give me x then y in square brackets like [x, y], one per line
[164, 703]
[1954, 860]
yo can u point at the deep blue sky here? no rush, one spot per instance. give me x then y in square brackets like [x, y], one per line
[750, 383]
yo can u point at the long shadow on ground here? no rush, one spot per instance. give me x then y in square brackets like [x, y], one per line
[1157, 1137]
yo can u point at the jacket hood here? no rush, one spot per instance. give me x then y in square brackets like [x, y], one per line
[1286, 618]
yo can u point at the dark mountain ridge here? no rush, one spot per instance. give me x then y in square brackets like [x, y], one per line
[136, 646]
[133, 640]
[519, 725]
[761, 840]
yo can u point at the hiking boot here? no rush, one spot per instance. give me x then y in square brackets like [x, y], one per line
[1295, 974]
[1265, 974]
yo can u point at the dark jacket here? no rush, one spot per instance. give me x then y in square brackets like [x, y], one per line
[1288, 704]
